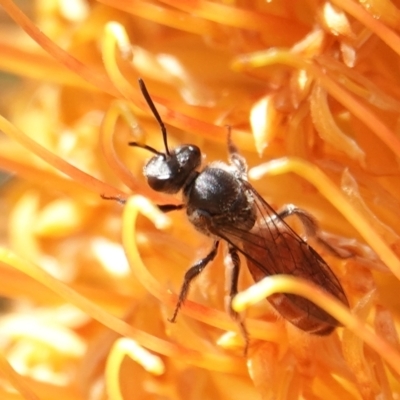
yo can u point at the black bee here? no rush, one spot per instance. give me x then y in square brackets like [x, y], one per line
[221, 203]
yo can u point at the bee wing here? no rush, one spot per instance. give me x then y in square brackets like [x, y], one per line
[272, 247]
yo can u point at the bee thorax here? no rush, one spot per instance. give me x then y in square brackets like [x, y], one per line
[217, 198]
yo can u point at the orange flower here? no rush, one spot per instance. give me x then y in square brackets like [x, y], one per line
[308, 88]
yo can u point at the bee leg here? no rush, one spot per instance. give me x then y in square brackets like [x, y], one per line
[190, 274]
[170, 207]
[232, 269]
[311, 228]
[163, 207]
[119, 199]
[235, 157]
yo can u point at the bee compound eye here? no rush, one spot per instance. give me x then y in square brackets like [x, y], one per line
[188, 156]
[159, 173]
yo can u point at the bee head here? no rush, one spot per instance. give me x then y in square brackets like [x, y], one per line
[168, 173]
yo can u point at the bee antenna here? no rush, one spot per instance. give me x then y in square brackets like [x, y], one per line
[153, 109]
[144, 146]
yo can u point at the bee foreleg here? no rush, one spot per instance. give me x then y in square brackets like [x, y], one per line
[119, 199]
[232, 270]
[310, 227]
[190, 274]
[170, 207]
[163, 207]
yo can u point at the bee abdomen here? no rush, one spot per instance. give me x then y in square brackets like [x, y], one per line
[303, 313]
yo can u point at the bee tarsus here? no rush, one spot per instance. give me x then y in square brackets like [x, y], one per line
[192, 273]
[166, 208]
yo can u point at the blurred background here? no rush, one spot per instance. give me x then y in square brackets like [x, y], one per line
[310, 90]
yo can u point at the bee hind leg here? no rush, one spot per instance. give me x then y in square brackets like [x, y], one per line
[311, 229]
